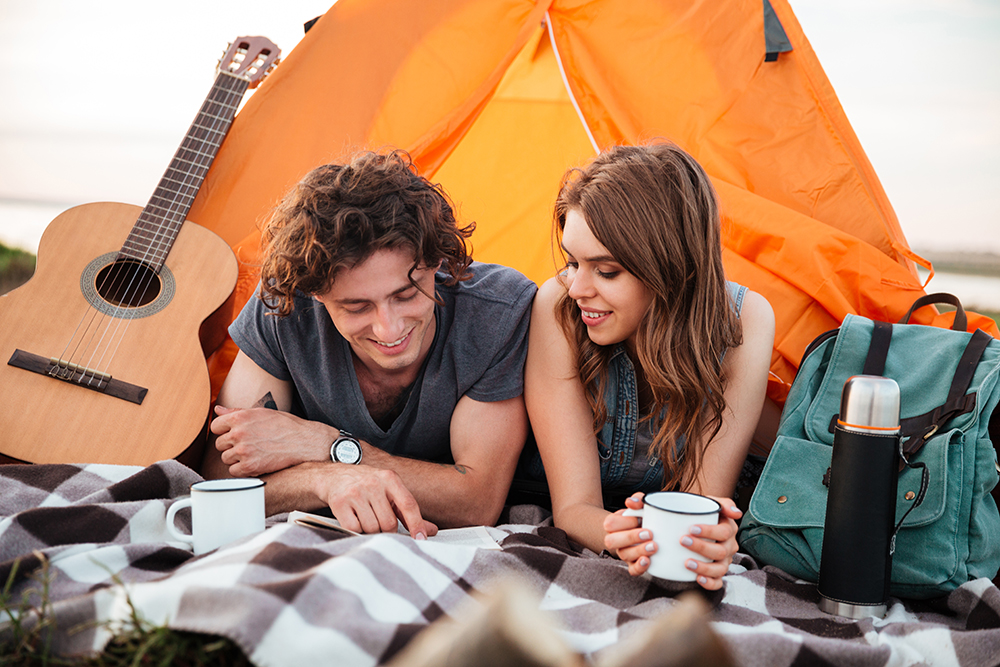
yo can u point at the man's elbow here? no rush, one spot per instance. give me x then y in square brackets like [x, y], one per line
[481, 507]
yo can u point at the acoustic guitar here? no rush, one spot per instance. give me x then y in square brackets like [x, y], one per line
[104, 361]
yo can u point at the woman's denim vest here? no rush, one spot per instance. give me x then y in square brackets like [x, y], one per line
[616, 441]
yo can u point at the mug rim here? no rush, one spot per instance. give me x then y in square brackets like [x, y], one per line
[718, 507]
[245, 484]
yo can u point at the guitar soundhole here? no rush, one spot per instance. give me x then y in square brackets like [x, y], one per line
[106, 281]
[128, 283]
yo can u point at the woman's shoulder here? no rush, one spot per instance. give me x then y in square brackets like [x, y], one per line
[756, 308]
[757, 320]
[548, 297]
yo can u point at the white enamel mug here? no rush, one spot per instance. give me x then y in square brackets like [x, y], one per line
[222, 511]
[669, 515]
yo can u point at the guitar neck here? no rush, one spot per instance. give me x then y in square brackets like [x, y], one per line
[154, 232]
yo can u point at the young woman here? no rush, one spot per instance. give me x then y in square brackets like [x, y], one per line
[646, 369]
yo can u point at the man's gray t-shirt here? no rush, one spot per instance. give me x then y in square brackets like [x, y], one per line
[480, 344]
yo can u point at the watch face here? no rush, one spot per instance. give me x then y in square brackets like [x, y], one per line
[348, 451]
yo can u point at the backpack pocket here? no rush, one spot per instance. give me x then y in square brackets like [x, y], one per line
[786, 515]
[784, 521]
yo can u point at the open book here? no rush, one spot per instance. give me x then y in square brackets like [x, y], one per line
[473, 536]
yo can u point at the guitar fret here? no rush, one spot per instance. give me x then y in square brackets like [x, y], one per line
[172, 200]
[153, 257]
[152, 223]
[208, 128]
[207, 114]
[151, 244]
[146, 252]
[191, 154]
[158, 224]
[180, 190]
[191, 183]
[154, 232]
[148, 249]
[181, 203]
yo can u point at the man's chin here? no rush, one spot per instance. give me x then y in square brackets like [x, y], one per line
[392, 362]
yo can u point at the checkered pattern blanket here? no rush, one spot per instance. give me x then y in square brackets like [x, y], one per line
[294, 595]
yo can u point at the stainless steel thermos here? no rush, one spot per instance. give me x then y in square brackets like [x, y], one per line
[856, 562]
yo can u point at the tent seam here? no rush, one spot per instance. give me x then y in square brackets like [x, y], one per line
[565, 80]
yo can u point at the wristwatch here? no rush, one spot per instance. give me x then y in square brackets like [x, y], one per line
[346, 449]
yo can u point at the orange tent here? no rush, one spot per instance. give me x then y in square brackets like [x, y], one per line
[495, 99]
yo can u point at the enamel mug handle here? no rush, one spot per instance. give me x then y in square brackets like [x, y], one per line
[632, 512]
[171, 513]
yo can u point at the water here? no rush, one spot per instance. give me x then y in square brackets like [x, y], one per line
[977, 293]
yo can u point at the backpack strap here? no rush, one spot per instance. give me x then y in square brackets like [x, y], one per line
[918, 429]
[878, 349]
[878, 352]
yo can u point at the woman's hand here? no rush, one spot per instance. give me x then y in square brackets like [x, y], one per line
[634, 544]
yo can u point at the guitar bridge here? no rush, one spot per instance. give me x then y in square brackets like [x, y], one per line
[79, 375]
[70, 372]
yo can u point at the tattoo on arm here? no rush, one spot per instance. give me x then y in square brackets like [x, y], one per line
[266, 401]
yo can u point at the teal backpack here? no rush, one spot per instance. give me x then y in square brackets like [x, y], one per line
[949, 383]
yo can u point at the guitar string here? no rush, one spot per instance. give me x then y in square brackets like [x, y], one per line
[132, 295]
[111, 276]
[213, 134]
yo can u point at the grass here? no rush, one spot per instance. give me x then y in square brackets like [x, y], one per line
[27, 627]
[16, 266]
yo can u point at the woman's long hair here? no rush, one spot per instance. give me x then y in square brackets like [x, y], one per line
[655, 210]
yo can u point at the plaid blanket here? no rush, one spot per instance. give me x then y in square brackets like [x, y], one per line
[292, 595]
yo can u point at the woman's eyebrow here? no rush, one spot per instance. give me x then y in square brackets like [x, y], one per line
[593, 260]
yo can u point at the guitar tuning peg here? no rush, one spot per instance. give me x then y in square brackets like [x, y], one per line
[218, 63]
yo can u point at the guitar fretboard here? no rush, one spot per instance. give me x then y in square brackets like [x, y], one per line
[154, 232]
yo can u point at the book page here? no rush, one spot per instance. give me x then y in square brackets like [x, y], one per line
[473, 536]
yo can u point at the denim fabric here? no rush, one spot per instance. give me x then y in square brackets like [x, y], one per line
[616, 441]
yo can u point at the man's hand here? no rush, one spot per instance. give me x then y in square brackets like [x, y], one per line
[362, 498]
[258, 441]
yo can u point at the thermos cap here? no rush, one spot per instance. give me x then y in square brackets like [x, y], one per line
[870, 401]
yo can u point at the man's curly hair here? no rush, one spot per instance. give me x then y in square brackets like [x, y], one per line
[339, 215]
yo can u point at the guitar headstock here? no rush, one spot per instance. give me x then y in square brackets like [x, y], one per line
[251, 58]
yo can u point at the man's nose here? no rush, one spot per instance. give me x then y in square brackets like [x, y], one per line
[388, 325]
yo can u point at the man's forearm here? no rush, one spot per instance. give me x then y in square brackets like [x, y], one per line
[450, 495]
[292, 489]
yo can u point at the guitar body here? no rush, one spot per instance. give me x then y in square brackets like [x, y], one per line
[44, 419]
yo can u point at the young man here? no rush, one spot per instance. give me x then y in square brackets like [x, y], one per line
[380, 371]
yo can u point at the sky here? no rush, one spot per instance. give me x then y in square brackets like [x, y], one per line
[96, 96]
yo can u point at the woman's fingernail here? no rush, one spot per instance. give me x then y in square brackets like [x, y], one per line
[650, 547]
[695, 530]
[687, 541]
[644, 535]
[643, 561]
[420, 536]
[703, 580]
[734, 508]
[691, 564]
